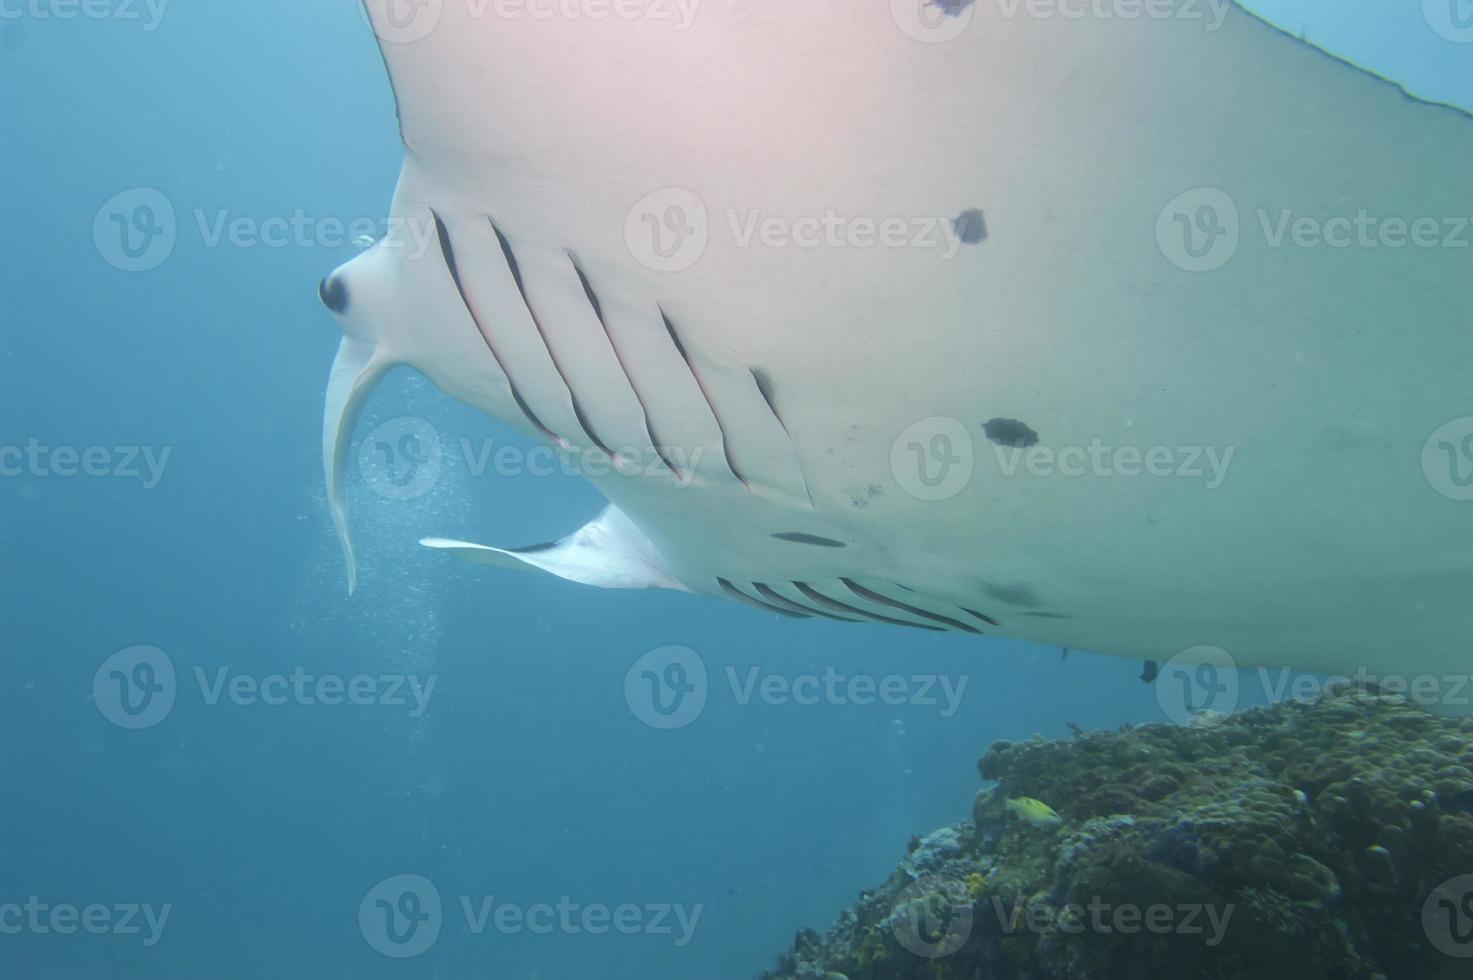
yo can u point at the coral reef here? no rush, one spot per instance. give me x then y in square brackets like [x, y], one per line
[1310, 839]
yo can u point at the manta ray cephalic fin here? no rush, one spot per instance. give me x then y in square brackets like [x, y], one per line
[358, 367]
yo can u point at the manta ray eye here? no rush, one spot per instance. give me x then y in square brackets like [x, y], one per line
[334, 294]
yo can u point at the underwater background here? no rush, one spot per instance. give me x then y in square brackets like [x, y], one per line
[186, 400]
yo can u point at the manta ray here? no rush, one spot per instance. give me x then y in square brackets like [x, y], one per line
[1106, 333]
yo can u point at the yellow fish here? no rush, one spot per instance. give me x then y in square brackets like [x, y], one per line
[1036, 812]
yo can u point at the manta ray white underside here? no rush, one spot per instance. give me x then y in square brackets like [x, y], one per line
[1101, 265]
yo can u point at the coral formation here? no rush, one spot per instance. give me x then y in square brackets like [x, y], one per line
[1309, 839]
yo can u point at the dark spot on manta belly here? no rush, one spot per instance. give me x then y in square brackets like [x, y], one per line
[1010, 432]
[971, 227]
[799, 537]
[334, 294]
[1019, 594]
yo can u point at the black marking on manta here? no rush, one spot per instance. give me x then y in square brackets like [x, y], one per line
[1019, 594]
[800, 537]
[1010, 432]
[971, 227]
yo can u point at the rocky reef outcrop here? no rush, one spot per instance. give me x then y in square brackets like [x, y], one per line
[1330, 838]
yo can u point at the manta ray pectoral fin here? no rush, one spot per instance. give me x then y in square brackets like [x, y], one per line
[609, 552]
[357, 368]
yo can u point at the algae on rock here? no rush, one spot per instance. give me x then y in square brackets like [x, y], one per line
[1299, 840]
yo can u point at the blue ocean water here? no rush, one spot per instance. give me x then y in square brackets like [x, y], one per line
[528, 778]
